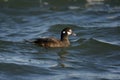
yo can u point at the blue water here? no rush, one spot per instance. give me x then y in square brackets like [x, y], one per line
[94, 54]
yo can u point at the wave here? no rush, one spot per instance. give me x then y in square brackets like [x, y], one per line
[3, 42]
[106, 42]
[95, 43]
[22, 69]
[58, 27]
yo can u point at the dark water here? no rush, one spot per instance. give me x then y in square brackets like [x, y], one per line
[94, 53]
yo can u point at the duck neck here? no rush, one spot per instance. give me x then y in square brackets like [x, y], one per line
[64, 38]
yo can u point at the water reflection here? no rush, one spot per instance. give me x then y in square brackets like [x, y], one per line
[43, 3]
[55, 4]
[97, 5]
[62, 58]
[94, 2]
[5, 0]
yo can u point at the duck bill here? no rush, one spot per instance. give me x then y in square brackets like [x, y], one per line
[73, 34]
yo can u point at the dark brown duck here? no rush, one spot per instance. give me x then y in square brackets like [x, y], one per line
[53, 42]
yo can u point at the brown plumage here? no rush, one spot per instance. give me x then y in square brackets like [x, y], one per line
[53, 42]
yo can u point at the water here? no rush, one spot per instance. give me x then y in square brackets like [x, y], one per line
[94, 53]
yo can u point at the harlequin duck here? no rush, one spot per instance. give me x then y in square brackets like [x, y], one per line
[53, 42]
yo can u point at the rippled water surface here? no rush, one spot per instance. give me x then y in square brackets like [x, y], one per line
[94, 53]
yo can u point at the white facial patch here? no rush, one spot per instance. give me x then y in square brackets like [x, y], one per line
[69, 32]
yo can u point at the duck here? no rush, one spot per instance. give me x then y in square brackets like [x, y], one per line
[52, 42]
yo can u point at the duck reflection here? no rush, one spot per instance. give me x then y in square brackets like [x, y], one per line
[62, 58]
